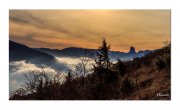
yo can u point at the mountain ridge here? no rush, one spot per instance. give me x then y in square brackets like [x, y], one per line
[20, 52]
[80, 52]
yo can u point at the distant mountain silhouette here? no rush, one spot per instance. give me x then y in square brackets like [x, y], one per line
[47, 56]
[19, 52]
[79, 52]
[69, 52]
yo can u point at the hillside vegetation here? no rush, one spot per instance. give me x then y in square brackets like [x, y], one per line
[145, 78]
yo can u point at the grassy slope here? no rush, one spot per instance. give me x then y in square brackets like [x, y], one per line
[150, 79]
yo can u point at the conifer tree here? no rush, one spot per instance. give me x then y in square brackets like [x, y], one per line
[103, 55]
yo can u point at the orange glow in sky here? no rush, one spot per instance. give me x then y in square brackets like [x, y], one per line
[58, 29]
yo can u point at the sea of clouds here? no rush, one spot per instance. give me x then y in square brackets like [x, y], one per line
[17, 69]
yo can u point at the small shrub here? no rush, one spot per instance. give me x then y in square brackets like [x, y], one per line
[146, 62]
[137, 63]
[18, 93]
[121, 68]
[127, 85]
[162, 61]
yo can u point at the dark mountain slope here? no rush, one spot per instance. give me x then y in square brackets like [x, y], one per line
[18, 52]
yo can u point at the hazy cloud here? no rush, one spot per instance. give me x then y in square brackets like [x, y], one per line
[85, 28]
[17, 70]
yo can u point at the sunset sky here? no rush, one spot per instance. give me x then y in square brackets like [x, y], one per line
[58, 29]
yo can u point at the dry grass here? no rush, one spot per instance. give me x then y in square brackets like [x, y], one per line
[151, 82]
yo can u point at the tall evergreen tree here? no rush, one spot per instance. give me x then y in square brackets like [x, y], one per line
[103, 55]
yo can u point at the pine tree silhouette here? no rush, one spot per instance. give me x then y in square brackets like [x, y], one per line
[102, 54]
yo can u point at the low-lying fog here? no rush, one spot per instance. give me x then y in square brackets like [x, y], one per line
[19, 68]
